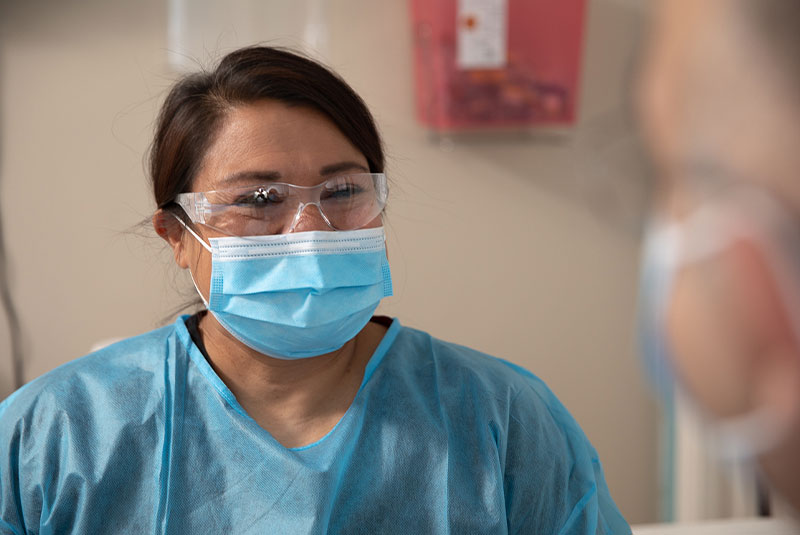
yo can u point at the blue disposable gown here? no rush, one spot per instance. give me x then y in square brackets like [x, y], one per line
[144, 437]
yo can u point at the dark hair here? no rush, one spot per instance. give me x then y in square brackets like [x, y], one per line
[194, 110]
[778, 23]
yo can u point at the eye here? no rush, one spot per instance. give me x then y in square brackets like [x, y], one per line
[342, 190]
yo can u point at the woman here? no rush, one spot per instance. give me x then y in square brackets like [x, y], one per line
[289, 408]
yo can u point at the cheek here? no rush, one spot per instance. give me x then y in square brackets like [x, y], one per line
[710, 340]
[199, 260]
[375, 223]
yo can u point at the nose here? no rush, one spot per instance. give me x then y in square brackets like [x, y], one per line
[309, 217]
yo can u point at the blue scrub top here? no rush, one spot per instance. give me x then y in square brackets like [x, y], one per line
[144, 437]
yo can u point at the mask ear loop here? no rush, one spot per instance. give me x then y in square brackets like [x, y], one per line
[193, 233]
[207, 247]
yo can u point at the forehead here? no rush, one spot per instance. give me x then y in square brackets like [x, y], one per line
[272, 137]
[674, 61]
[710, 90]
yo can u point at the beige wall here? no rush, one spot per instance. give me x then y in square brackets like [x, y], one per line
[541, 271]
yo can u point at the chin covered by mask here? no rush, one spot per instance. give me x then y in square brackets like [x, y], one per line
[297, 295]
[740, 214]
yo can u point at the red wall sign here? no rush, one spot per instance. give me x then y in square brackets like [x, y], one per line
[497, 63]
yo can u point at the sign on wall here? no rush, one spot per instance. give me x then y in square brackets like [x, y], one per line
[497, 63]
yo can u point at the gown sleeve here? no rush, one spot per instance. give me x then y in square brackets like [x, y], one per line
[11, 514]
[553, 480]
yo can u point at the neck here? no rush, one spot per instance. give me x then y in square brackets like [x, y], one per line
[298, 401]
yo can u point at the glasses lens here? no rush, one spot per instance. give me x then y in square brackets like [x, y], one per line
[251, 210]
[350, 202]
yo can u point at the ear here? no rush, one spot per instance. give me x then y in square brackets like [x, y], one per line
[167, 226]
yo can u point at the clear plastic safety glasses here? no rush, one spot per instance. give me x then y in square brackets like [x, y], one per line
[346, 202]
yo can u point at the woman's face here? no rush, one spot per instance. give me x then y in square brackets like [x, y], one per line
[263, 142]
[710, 93]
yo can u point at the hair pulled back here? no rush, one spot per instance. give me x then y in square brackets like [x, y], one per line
[195, 108]
[778, 24]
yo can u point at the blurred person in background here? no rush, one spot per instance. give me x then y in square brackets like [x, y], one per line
[719, 106]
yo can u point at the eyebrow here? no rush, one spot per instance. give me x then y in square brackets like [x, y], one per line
[249, 177]
[342, 166]
[272, 176]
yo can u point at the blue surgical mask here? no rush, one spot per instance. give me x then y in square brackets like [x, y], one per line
[300, 295]
[655, 288]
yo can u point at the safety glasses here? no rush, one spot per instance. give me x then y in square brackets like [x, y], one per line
[346, 202]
